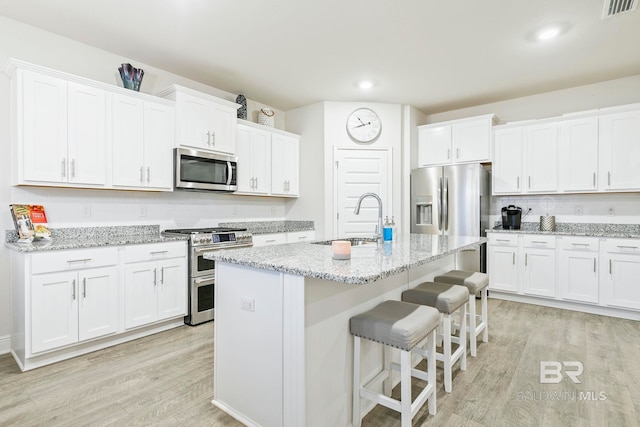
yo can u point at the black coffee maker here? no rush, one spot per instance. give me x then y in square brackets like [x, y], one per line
[511, 217]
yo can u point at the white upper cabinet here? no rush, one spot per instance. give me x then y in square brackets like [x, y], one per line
[457, 141]
[61, 131]
[142, 140]
[578, 155]
[620, 151]
[284, 165]
[541, 159]
[586, 152]
[507, 161]
[254, 160]
[69, 131]
[203, 121]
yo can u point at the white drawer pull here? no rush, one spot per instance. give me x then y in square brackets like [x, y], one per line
[158, 252]
[503, 240]
[79, 260]
[539, 242]
[580, 244]
[270, 241]
[627, 247]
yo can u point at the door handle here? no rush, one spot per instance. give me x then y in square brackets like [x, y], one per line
[208, 138]
[526, 258]
[155, 277]
[448, 153]
[594, 265]
[148, 174]
[610, 268]
[440, 205]
[141, 174]
[213, 138]
[445, 202]
[73, 289]
[518, 183]
[513, 261]
[162, 275]
[84, 287]
[608, 178]
[457, 153]
[529, 182]
[64, 168]
[594, 179]
[229, 173]
[73, 168]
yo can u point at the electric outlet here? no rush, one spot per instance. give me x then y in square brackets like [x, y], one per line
[142, 210]
[577, 210]
[86, 211]
[612, 211]
[248, 304]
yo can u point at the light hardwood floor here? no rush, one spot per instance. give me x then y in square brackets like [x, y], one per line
[166, 379]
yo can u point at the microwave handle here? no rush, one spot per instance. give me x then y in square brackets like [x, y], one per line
[229, 173]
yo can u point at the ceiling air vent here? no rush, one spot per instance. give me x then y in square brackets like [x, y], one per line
[616, 7]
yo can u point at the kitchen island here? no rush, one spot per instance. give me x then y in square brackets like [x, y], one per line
[283, 351]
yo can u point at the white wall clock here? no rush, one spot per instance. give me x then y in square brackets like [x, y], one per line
[363, 125]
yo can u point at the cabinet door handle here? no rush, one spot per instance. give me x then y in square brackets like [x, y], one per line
[594, 179]
[213, 138]
[162, 275]
[141, 174]
[513, 261]
[457, 153]
[208, 138]
[610, 268]
[64, 168]
[526, 257]
[518, 183]
[148, 174]
[594, 265]
[529, 182]
[448, 153]
[155, 277]
[84, 287]
[608, 178]
[73, 289]
[73, 168]
[79, 260]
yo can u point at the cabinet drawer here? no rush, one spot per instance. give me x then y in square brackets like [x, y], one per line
[73, 260]
[586, 244]
[503, 239]
[301, 236]
[269, 239]
[538, 241]
[623, 246]
[138, 253]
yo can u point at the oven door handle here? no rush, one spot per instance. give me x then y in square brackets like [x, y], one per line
[204, 280]
[199, 251]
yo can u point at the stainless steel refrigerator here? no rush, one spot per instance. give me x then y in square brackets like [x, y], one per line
[453, 200]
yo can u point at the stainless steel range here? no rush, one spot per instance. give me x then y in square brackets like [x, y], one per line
[202, 271]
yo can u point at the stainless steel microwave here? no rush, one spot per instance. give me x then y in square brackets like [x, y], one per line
[205, 171]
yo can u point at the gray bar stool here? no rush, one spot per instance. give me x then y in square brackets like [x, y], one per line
[475, 282]
[404, 326]
[447, 299]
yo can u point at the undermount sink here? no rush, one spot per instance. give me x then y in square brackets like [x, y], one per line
[355, 241]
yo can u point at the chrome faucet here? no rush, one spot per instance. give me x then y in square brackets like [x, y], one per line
[379, 226]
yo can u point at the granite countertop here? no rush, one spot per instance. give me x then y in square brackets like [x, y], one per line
[91, 237]
[577, 229]
[268, 227]
[368, 263]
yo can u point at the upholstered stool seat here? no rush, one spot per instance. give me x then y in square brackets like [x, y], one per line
[448, 299]
[404, 326]
[476, 283]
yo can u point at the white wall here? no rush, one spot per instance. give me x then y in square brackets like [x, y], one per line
[308, 122]
[107, 207]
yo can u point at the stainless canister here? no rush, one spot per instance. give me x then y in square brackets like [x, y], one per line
[547, 223]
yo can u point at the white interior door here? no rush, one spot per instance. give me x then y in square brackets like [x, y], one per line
[359, 171]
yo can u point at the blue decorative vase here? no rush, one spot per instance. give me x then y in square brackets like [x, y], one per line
[131, 76]
[242, 111]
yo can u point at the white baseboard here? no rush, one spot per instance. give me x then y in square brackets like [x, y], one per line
[5, 344]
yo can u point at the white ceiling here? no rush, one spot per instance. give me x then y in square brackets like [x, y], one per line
[435, 55]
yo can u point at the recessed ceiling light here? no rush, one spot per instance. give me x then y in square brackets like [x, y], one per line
[365, 84]
[548, 33]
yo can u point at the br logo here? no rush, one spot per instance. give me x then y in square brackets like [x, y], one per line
[551, 371]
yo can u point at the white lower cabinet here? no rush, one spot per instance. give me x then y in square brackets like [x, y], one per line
[620, 273]
[578, 269]
[539, 267]
[70, 302]
[156, 288]
[503, 262]
[598, 275]
[279, 238]
[301, 236]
